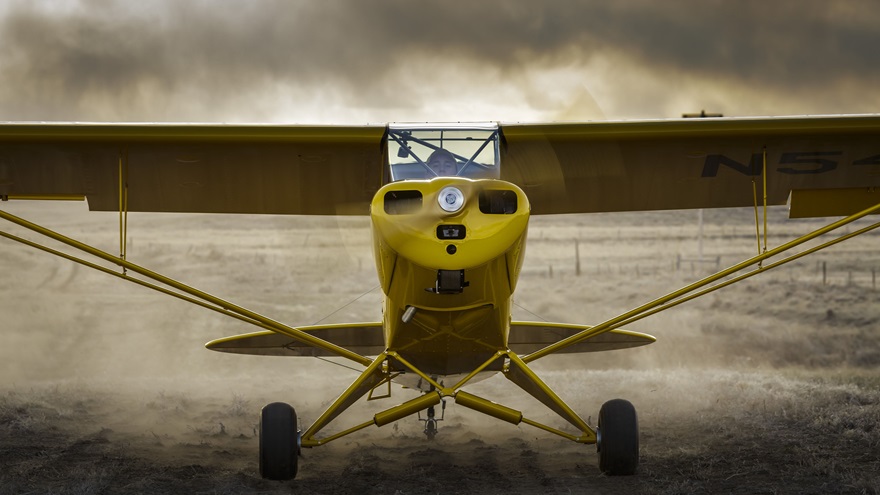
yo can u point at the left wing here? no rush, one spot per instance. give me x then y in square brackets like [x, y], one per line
[832, 164]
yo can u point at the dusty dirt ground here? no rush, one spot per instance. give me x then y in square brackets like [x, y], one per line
[770, 386]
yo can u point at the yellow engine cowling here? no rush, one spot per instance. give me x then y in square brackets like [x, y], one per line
[449, 250]
[408, 219]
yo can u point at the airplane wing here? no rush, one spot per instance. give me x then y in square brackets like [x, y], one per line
[831, 163]
[827, 165]
[312, 170]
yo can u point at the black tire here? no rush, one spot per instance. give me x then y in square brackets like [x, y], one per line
[279, 442]
[618, 443]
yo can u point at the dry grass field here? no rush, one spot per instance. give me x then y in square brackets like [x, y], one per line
[769, 386]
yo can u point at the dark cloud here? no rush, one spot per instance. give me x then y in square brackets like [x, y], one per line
[228, 60]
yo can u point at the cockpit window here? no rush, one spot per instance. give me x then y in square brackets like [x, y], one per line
[427, 151]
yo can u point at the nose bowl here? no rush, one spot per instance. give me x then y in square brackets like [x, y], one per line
[449, 223]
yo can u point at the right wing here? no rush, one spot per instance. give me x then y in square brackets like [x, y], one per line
[199, 168]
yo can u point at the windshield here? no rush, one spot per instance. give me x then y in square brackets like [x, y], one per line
[427, 151]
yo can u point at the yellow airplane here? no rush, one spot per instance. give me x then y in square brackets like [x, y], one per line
[449, 205]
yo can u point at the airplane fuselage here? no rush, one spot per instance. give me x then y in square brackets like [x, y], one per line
[448, 271]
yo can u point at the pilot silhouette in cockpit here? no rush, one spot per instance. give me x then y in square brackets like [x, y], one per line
[443, 163]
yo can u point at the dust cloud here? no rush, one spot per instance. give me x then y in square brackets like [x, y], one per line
[107, 388]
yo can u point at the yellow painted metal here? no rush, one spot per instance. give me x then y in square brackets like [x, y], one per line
[476, 370]
[488, 407]
[764, 176]
[385, 381]
[538, 389]
[407, 408]
[757, 225]
[415, 370]
[450, 333]
[315, 442]
[755, 195]
[123, 208]
[611, 323]
[358, 388]
[586, 438]
[414, 236]
[271, 324]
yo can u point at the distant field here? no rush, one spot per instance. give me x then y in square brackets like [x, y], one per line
[769, 386]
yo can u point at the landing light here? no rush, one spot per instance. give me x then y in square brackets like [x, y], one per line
[451, 199]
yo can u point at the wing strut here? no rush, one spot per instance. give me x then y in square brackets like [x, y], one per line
[755, 196]
[678, 297]
[123, 205]
[190, 294]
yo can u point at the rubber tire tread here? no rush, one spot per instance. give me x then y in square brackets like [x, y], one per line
[279, 448]
[619, 447]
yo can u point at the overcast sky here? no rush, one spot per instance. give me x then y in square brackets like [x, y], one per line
[370, 61]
